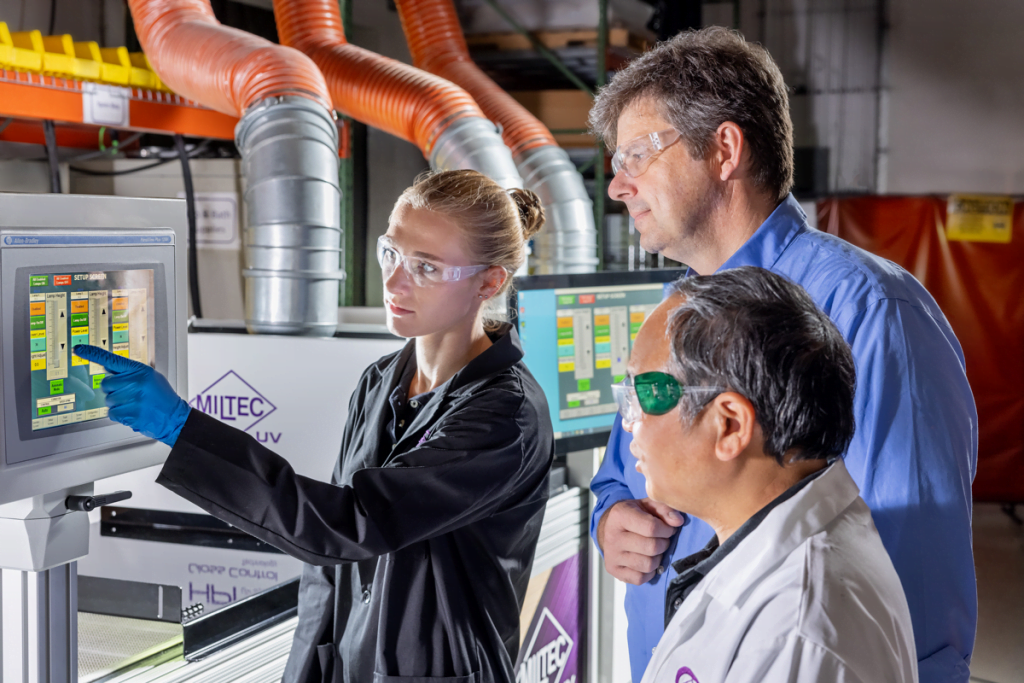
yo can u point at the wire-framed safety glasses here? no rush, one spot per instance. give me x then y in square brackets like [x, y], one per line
[635, 156]
[423, 272]
[652, 393]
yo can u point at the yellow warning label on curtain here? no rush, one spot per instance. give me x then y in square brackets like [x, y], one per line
[979, 218]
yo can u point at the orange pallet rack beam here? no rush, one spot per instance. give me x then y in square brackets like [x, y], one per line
[27, 95]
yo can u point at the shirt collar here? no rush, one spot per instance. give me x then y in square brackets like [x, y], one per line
[506, 350]
[707, 559]
[401, 391]
[771, 239]
[792, 521]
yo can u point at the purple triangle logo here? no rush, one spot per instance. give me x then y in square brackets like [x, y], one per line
[234, 401]
[547, 654]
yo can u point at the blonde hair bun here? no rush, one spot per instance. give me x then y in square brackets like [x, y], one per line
[531, 212]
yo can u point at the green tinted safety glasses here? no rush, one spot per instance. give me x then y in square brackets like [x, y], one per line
[651, 393]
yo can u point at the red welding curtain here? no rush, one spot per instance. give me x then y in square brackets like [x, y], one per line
[979, 287]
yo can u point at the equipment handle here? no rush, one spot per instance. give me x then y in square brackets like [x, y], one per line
[90, 503]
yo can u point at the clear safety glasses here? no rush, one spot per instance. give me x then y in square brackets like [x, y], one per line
[635, 156]
[422, 272]
[652, 393]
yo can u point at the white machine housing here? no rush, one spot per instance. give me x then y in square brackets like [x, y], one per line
[62, 233]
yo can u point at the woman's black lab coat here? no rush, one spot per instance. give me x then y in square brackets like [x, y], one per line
[420, 550]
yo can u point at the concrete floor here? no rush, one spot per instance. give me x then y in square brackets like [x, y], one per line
[999, 561]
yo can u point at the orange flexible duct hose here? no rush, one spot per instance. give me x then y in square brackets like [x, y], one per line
[381, 92]
[218, 66]
[569, 244]
[437, 45]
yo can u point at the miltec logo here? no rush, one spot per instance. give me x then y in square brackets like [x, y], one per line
[545, 663]
[233, 400]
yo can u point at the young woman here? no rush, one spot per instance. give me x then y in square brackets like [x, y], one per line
[419, 551]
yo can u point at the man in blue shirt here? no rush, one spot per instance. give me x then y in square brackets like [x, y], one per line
[704, 164]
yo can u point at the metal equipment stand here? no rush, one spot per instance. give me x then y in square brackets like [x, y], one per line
[40, 540]
[40, 623]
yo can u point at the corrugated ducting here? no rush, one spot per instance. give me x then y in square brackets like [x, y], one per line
[568, 244]
[437, 116]
[288, 141]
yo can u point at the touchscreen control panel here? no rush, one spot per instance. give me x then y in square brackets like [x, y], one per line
[109, 309]
[77, 269]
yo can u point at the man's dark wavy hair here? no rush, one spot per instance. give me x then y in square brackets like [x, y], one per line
[760, 335]
[700, 80]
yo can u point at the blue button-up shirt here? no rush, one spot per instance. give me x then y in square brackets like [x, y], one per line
[913, 455]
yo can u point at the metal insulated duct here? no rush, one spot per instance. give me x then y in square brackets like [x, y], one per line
[474, 143]
[289, 148]
[568, 243]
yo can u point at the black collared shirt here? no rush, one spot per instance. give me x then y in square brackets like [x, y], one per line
[693, 568]
[403, 408]
[419, 553]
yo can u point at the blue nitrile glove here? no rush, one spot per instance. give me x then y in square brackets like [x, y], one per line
[138, 396]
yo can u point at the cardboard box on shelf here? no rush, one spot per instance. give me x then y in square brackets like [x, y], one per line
[560, 110]
[477, 16]
[556, 40]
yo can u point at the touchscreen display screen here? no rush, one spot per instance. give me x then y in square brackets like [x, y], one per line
[109, 309]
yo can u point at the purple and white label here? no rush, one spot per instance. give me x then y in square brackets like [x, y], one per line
[551, 650]
[233, 400]
[684, 675]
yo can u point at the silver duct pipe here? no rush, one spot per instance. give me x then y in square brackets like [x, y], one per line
[289, 148]
[568, 242]
[474, 143]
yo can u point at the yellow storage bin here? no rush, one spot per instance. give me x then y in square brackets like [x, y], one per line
[59, 56]
[117, 68]
[13, 56]
[143, 70]
[85, 60]
[141, 76]
[57, 52]
[90, 61]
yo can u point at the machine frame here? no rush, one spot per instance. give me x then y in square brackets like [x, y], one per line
[54, 231]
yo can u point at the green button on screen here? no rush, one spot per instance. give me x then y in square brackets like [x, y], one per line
[96, 380]
[45, 410]
[56, 387]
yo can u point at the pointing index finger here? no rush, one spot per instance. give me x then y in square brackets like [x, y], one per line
[112, 362]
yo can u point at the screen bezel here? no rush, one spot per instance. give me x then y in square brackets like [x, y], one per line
[599, 438]
[21, 333]
[23, 444]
